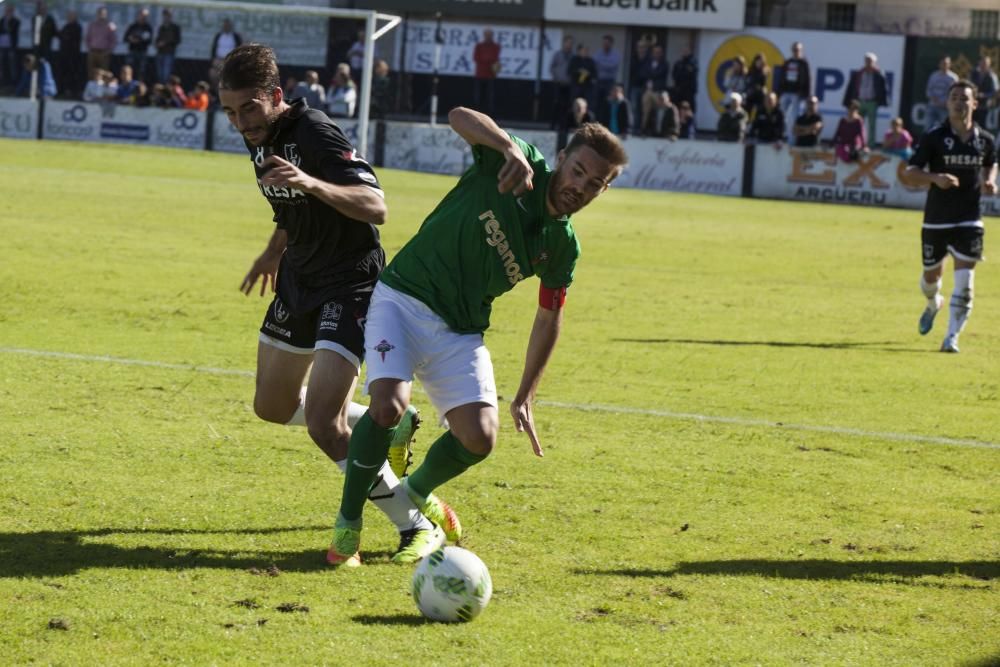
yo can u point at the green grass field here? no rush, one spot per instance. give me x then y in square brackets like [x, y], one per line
[752, 457]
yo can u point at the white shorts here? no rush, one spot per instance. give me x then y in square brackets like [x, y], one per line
[404, 338]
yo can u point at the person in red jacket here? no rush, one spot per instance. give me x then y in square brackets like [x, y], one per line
[487, 58]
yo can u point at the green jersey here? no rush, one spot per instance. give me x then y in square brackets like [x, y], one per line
[478, 243]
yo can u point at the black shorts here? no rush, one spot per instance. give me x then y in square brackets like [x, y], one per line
[962, 242]
[337, 325]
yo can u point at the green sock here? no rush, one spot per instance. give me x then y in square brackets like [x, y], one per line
[445, 460]
[365, 456]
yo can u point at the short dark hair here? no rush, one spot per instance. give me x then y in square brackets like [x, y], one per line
[964, 83]
[251, 66]
[601, 141]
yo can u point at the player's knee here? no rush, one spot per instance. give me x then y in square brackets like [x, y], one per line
[270, 411]
[386, 412]
[331, 436]
[479, 438]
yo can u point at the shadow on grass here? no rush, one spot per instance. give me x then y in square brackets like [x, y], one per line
[58, 553]
[817, 569]
[989, 661]
[881, 346]
[391, 619]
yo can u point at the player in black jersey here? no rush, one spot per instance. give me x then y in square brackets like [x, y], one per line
[961, 166]
[322, 261]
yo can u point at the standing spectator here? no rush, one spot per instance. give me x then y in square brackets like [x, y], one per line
[961, 165]
[938, 84]
[382, 90]
[985, 80]
[793, 86]
[343, 94]
[138, 37]
[70, 62]
[486, 55]
[617, 115]
[583, 72]
[757, 88]
[850, 139]
[356, 58]
[809, 125]
[128, 87]
[897, 140]
[867, 87]
[653, 74]
[685, 75]
[608, 60]
[735, 79]
[47, 32]
[686, 127]
[559, 70]
[768, 125]
[311, 89]
[288, 90]
[102, 35]
[732, 125]
[168, 37]
[664, 120]
[10, 27]
[636, 84]
[224, 41]
[46, 82]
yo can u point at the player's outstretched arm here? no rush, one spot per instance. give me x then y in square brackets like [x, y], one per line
[358, 202]
[544, 334]
[265, 267]
[478, 129]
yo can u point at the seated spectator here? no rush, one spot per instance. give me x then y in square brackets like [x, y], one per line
[663, 122]
[382, 89]
[312, 90]
[578, 114]
[101, 87]
[685, 120]
[161, 97]
[897, 140]
[197, 99]
[617, 112]
[850, 140]
[732, 125]
[142, 97]
[768, 125]
[46, 82]
[809, 125]
[178, 98]
[343, 94]
[127, 86]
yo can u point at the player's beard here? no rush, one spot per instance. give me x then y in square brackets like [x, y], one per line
[263, 134]
[564, 198]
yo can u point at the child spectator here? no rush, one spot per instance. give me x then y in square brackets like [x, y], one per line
[198, 99]
[850, 140]
[897, 140]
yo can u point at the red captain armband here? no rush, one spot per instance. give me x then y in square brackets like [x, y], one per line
[551, 298]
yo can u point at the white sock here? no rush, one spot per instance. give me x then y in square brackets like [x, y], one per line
[931, 291]
[961, 300]
[390, 497]
[354, 412]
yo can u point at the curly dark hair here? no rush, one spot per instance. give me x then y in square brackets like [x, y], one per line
[250, 66]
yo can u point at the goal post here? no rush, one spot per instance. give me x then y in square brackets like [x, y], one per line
[373, 31]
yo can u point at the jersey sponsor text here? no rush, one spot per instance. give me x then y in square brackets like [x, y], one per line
[498, 240]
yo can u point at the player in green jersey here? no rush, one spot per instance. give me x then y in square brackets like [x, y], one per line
[507, 219]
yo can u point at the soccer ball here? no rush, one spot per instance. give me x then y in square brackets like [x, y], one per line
[451, 585]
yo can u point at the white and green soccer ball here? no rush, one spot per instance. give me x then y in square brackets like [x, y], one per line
[452, 585]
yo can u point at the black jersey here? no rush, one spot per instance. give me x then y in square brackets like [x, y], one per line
[328, 253]
[945, 152]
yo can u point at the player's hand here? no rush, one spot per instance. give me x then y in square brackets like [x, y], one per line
[945, 181]
[989, 188]
[524, 422]
[282, 173]
[264, 269]
[515, 175]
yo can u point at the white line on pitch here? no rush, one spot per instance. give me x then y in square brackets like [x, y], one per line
[586, 407]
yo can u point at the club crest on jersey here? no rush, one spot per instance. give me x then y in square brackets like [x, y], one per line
[383, 347]
[292, 154]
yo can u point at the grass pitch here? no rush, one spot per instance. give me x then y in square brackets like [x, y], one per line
[752, 457]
